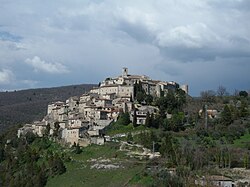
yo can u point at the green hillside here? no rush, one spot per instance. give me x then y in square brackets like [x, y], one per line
[79, 172]
[166, 151]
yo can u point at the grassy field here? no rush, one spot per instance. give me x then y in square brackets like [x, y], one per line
[79, 172]
[243, 142]
[118, 129]
[142, 180]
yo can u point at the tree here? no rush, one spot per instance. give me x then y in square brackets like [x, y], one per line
[244, 109]
[176, 122]
[78, 149]
[57, 166]
[47, 130]
[236, 93]
[148, 120]
[243, 94]
[149, 99]
[226, 115]
[162, 104]
[138, 88]
[124, 119]
[164, 178]
[134, 118]
[30, 137]
[172, 102]
[156, 121]
[56, 129]
[169, 148]
[208, 95]
[40, 179]
[140, 97]
[140, 94]
[221, 91]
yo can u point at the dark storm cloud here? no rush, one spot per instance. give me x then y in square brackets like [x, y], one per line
[202, 43]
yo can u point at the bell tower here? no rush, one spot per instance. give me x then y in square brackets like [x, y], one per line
[124, 72]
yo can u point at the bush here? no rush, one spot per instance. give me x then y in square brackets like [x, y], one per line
[216, 135]
[165, 179]
[77, 150]
[57, 166]
[30, 137]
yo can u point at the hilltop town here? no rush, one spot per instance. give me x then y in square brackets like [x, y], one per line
[82, 120]
[131, 130]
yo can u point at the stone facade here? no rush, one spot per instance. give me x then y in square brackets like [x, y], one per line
[81, 119]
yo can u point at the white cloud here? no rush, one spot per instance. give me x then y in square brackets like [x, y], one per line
[6, 76]
[196, 35]
[40, 65]
[95, 38]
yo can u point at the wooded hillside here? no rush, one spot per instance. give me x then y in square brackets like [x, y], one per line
[25, 106]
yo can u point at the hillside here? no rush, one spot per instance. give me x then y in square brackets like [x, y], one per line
[174, 151]
[25, 106]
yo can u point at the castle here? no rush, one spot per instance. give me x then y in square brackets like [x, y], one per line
[81, 120]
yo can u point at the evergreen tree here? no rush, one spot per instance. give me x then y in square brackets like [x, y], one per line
[226, 115]
[56, 129]
[47, 130]
[243, 94]
[134, 118]
[148, 120]
[140, 97]
[124, 119]
[244, 112]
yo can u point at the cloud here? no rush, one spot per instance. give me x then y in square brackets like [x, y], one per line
[192, 36]
[29, 83]
[11, 82]
[40, 65]
[6, 76]
[94, 39]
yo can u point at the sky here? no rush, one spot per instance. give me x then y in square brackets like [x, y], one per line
[46, 43]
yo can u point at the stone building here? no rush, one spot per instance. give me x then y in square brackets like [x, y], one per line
[123, 85]
[82, 119]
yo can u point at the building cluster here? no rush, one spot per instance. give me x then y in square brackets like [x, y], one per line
[82, 120]
[123, 86]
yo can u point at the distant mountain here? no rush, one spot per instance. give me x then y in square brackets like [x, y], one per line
[24, 106]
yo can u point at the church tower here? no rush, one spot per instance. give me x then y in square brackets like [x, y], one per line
[124, 72]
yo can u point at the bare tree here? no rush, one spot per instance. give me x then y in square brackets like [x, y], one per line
[221, 91]
[208, 95]
[236, 92]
